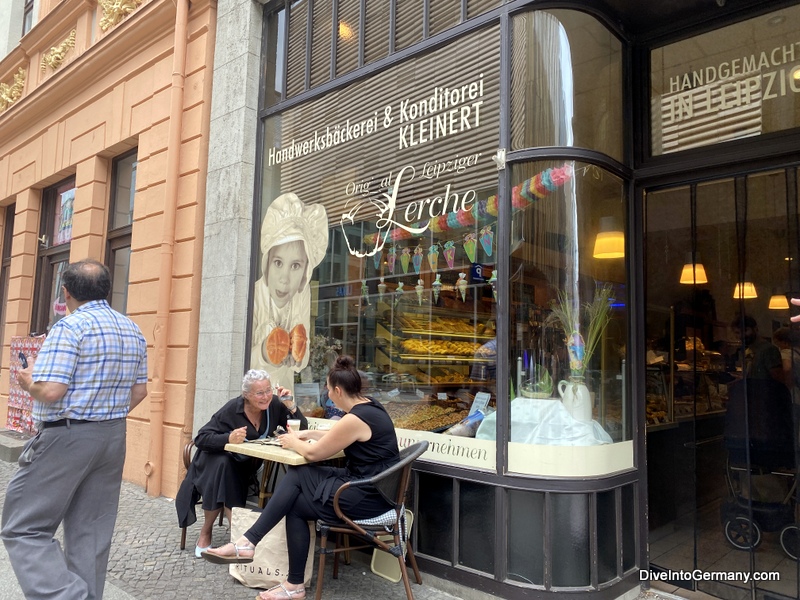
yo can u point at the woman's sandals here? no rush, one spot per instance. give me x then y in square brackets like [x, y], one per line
[213, 555]
[280, 592]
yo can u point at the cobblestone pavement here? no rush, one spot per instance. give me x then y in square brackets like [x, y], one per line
[146, 561]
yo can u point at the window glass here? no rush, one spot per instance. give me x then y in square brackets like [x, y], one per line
[408, 28]
[61, 232]
[376, 32]
[124, 189]
[321, 32]
[119, 284]
[296, 59]
[569, 319]
[443, 15]
[274, 58]
[566, 87]
[27, 16]
[58, 303]
[393, 198]
[5, 263]
[347, 36]
[735, 82]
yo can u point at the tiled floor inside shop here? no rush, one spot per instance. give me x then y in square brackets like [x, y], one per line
[672, 547]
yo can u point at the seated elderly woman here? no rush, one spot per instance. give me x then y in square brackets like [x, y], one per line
[222, 478]
[367, 436]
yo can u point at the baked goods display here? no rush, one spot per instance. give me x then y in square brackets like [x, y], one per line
[425, 416]
[440, 347]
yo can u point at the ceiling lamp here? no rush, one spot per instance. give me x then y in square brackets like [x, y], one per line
[690, 276]
[778, 302]
[745, 290]
[610, 242]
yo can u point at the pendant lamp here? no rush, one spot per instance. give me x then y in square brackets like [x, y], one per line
[778, 302]
[610, 241]
[696, 275]
[745, 290]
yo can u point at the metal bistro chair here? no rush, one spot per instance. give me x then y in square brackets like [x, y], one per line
[393, 484]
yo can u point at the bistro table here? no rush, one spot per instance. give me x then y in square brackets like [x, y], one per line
[272, 454]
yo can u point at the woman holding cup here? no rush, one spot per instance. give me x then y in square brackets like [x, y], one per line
[367, 436]
[221, 478]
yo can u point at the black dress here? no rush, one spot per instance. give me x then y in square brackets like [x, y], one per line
[363, 460]
[219, 477]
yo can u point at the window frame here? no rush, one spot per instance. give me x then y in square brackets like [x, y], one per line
[5, 265]
[27, 10]
[119, 237]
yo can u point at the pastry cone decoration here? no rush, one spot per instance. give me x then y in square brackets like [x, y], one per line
[417, 259]
[487, 239]
[461, 284]
[365, 291]
[469, 246]
[450, 253]
[392, 258]
[419, 288]
[405, 258]
[376, 259]
[381, 289]
[493, 282]
[398, 293]
[437, 287]
[433, 257]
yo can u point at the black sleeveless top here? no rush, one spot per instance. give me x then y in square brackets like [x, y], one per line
[365, 459]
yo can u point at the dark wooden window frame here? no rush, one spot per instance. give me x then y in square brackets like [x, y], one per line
[119, 237]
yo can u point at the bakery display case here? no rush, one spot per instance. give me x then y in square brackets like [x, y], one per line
[433, 360]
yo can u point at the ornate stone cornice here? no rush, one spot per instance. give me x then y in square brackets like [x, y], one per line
[116, 10]
[11, 93]
[55, 56]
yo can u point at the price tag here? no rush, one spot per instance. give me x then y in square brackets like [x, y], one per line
[420, 393]
[394, 393]
[480, 402]
[441, 396]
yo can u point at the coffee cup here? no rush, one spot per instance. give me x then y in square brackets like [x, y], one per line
[294, 424]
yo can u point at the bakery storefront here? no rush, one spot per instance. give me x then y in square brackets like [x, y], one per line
[483, 203]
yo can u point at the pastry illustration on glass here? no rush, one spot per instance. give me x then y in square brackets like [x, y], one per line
[419, 288]
[294, 239]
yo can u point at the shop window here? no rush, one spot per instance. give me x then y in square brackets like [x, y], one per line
[274, 57]
[123, 189]
[409, 25]
[706, 90]
[376, 30]
[296, 57]
[566, 87]
[5, 264]
[409, 292]
[569, 318]
[321, 32]
[27, 16]
[54, 242]
[347, 34]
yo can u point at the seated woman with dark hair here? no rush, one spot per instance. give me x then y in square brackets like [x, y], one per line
[367, 437]
[219, 477]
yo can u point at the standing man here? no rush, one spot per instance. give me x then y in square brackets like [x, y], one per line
[90, 372]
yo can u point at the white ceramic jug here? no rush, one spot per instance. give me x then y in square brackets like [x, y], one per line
[576, 399]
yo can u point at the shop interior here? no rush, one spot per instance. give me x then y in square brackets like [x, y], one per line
[721, 394]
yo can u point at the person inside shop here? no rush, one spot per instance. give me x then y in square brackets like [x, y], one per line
[220, 478]
[786, 341]
[762, 359]
[367, 436]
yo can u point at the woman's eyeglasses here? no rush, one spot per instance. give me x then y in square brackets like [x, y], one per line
[263, 393]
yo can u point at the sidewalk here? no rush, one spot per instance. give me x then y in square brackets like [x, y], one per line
[146, 561]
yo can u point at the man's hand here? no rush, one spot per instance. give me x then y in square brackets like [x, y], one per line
[25, 376]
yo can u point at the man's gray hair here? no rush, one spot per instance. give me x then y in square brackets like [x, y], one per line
[251, 377]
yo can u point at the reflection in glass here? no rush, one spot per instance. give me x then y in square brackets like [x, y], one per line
[119, 284]
[61, 232]
[124, 191]
[566, 85]
[58, 303]
[568, 308]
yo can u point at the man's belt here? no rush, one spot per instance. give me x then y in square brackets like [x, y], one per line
[65, 423]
